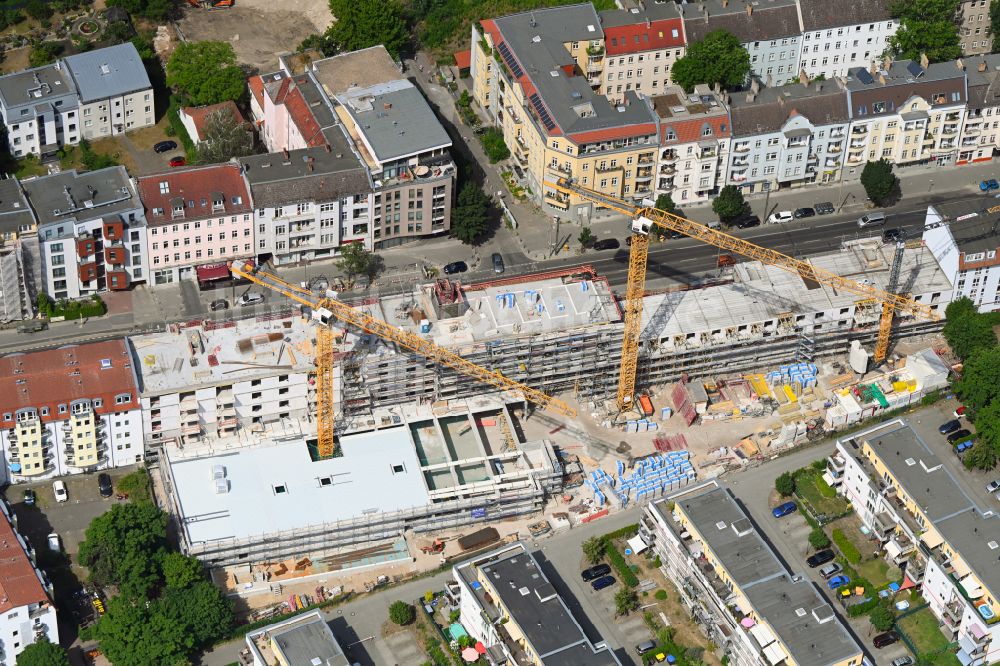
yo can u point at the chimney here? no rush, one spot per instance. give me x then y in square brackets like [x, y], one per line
[310, 167]
[285, 152]
[328, 148]
[749, 9]
[770, 81]
[755, 85]
[924, 62]
[873, 69]
[751, 96]
[960, 64]
[803, 77]
[387, 106]
[981, 67]
[716, 88]
[725, 3]
[887, 63]
[881, 78]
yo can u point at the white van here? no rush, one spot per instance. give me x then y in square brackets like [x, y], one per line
[251, 298]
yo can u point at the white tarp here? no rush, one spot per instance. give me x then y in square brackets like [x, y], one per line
[637, 544]
[893, 549]
[762, 634]
[774, 653]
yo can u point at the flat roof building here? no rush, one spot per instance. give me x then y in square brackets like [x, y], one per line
[305, 640]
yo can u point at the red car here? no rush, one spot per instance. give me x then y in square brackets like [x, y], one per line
[960, 412]
[177, 161]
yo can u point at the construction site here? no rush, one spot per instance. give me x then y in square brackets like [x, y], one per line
[341, 436]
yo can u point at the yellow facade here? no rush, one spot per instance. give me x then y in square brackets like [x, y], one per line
[31, 441]
[82, 443]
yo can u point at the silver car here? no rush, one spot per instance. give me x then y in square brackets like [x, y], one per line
[871, 220]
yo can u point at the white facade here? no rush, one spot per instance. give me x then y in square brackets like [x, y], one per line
[310, 231]
[974, 272]
[118, 114]
[833, 51]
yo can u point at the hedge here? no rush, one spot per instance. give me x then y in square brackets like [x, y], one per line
[627, 531]
[846, 546]
[618, 562]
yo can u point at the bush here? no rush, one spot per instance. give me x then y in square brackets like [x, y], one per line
[493, 145]
[661, 595]
[785, 484]
[628, 531]
[135, 485]
[402, 613]
[882, 618]
[818, 539]
[618, 562]
[847, 547]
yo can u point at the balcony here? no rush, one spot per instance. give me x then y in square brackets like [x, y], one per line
[952, 116]
[949, 130]
[666, 183]
[667, 170]
[707, 153]
[856, 158]
[644, 174]
[859, 143]
[837, 134]
[928, 139]
[834, 148]
[646, 158]
[669, 155]
[832, 163]
[741, 148]
[557, 200]
[738, 177]
[860, 130]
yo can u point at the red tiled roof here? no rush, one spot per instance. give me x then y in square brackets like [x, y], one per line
[198, 114]
[689, 130]
[194, 187]
[256, 84]
[640, 37]
[60, 376]
[279, 96]
[614, 133]
[19, 584]
[303, 118]
[463, 59]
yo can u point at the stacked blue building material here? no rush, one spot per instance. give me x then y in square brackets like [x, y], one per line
[803, 373]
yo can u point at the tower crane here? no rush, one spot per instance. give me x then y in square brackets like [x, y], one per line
[326, 309]
[885, 321]
[645, 217]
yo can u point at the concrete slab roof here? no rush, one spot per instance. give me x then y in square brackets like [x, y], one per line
[71, 196]
[50, 84]
[15, 213]
[973, 229]
[108, 72]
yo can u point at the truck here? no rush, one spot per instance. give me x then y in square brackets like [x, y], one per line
[479, 539]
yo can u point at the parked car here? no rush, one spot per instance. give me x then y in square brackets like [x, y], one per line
[871, 220]
[595, 572]
[989, 185]
[830, 570]
[781, 216]
[165, 146]
[59, 490]
[885, 640]
[893, 235]
[745, 221]
[603, 582]
[838, 581]
[177, 161]
[498, 266]
[29, 497]
[958, 435]
[251, 298]
[824, 208]
[455, 267]
[993, 486]
[607, 244]
[219, 304]
[959, 413]
[903, 661]
[104, 485]
[644, 647]
[949, 427]
[818, 558]
[54, 544]
[783, 510]
[803, 212]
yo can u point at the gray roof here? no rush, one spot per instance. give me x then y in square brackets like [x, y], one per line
[305, 643]
[395, 120]
[901, 73]
[769, 19]
[277, 181]
[984, 86]
[822, 102]
[978, 231]
[108, 72]
[50, 84]
[533, 603]
[536, 41]
[655, 11]
[317, 101]
[70, 196]
[822, 14]
[15, 212]
[815, 637]
[357, 69]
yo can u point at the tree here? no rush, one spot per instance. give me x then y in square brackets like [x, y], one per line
[818, 538]
[319, 42]
[360, 25]
[966, 330]
[38, 10]
[43, 653]
[44, 53]
[205, 73]
[995, 18]
[493, 144]
[133, 633]
[586, 238]
[718, 58]
[879, 181]
[157, 10]
[225, 136]
[730, 203]
[593, 549]
[469, 218]
[666, 203]
[988, 426]
[122, 547]
[180, 571]
[625, 601]
[402, 613]
[201, 609]
[785, 484]
[94, 161]
[980, 379]
[926, 27]
[980, 456]
[882, 618]
[355, 259]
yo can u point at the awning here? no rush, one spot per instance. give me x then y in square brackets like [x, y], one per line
[963, 658]
[966, 644]
[977, 631]
[971, 587]
[907, 584]
[774, 653]
[762, 635]
[637, 544]
[893, 549]
[212, 272]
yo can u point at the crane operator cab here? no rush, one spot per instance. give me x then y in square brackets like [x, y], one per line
[323, 315]
[641, 225]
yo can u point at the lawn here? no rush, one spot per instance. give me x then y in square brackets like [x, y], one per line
[923, 629]
[878, 572]
[811, 487]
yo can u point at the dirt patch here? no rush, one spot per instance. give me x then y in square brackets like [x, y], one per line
[258, 31]
[15, 60]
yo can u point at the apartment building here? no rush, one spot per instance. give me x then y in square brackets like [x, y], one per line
[981, 131]
[238, 382]
[87, 95]
[640, 47]
[399, 139]
[905, 112]
[788, 136]
[18, 253]
[944, 542]
[69, 410]
[555, 124]
[965, 247]
[769, 30]
[195, 118]
[695, 132]
[508, 604]
[839, 35]
[27, 613]
[303, 639]
[974, 27]
[290, 111]
[91, 231]
[199, 218]
[309, 201]
[737, 589]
